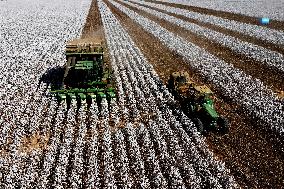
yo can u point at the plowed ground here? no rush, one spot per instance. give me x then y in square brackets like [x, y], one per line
[274, 24]
[252, 155]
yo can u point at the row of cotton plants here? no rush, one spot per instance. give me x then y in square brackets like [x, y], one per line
[24, 61]
[260, 32]
[263, 55]
[33, 36]
[33, 41]
[251, 93]
[255, 8]
[133, 71]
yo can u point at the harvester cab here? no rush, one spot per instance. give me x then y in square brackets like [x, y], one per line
[197, 101]
[86, 77]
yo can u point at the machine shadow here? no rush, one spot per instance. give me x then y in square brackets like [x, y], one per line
[52, 77]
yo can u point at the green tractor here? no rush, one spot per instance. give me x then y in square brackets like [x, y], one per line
[197, 103]
[86, 77]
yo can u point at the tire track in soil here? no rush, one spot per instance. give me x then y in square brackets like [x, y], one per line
[247, 151]
[93, 28]
[269, 76]
[273, 24]
[236, 34]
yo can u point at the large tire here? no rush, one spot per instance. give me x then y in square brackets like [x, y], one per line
[223, 125]
[199, 125]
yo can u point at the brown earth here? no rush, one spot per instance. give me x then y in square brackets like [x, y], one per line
[241, 36]
[269, 76]
[273, 24]
[251, 154]
[31, 141]
[34, 142]
[93, 25]
[93, 28]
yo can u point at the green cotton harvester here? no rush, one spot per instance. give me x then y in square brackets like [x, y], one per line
[86, 77]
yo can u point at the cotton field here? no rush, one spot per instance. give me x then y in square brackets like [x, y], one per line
[256, 8]
[143, 139]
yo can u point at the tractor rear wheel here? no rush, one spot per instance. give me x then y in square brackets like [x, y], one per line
[199, 125]
[223, 125]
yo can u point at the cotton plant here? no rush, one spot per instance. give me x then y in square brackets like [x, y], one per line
[250, 93]
[121, 160]
[265, 56]
[260, 32]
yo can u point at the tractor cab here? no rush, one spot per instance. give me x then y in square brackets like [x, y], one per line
[201, 103]
[204, 94]
[179, 82]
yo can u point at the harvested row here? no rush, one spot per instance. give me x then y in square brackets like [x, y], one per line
[257, 100]
[268, 58]
[260, 32]
[113, 41]
[271, 9]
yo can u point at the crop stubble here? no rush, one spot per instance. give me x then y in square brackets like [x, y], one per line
[247, 151]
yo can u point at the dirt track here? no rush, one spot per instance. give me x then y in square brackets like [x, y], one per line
[236, 34]
[275, 24]
[271, 77]
[93, 26]
[249, 152]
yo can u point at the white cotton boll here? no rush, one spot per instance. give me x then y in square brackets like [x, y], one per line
[268, 57]
[248, 91]
[25, 60]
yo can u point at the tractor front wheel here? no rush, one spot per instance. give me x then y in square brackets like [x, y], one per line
[223, 125]
[199, 125]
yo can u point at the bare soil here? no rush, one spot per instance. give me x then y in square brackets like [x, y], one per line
[251, 154]
[34, 142]
[269, 76]
[241, 36]
[274, 24]
[93, 27]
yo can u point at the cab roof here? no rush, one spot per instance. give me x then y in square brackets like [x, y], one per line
[203, 89]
